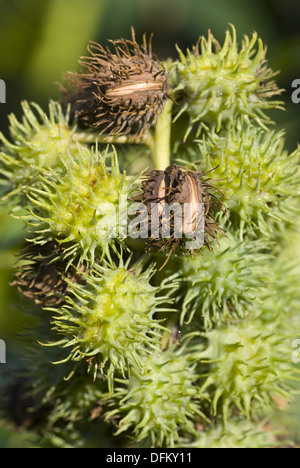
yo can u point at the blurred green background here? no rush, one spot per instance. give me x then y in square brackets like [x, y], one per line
[41, 40]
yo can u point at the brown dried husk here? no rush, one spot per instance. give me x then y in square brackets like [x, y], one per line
[179, 185]
[41, 279]
[119, 92]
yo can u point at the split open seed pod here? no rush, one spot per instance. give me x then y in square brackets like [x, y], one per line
[119, 91]
[181, 208]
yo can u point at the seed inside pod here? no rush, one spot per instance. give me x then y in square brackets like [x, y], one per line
[185, 190]
[129, 90]
[193, 187]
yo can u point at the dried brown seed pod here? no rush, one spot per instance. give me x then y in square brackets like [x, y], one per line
[41, 279]
[181, 205]
[119, 92]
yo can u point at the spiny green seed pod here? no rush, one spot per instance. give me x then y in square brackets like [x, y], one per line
[84, 209]
[110, 322]
[46, 380]
[248, 363]
[161, 402]
[286, 272]
[215, 84]
[38, 143]
[65, 407]
[78, 399]
[238, 433]
[218, 286]
[257, 175]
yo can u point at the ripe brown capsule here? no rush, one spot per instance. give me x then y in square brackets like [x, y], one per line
[181, 205]
[40, 278]
[119, 92]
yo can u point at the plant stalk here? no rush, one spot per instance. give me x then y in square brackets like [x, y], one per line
[161, 153]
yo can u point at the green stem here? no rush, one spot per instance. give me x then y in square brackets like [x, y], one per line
[161, 153]
[159, 144]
